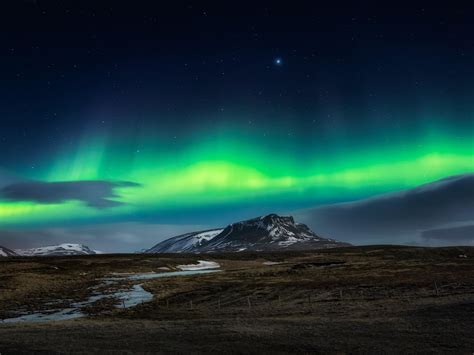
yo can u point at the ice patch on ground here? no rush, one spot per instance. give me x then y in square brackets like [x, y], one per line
[152, 275]
[64, 314]
[201, 265]
[133, 297]
[272, 262]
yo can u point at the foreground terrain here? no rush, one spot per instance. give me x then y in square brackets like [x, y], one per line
[378, 299]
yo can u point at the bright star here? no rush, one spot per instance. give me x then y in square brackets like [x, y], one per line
[278, 61]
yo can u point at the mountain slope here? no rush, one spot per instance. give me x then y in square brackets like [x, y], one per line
[4, 252]
[271, 232]
[185, 243]
[58, 250]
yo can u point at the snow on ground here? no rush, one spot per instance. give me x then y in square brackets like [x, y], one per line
[2, 253]
[272, 262]
[133, 297]
[201, 265]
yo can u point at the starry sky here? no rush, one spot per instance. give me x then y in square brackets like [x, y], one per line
[194, 113]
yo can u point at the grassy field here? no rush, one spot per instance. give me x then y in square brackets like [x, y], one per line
[376, 299]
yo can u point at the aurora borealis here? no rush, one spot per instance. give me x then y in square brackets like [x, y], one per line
[275, 112]
[211, 175]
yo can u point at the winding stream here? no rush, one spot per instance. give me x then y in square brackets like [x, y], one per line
[128, 298]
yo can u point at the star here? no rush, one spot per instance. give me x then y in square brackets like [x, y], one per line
[278, 61]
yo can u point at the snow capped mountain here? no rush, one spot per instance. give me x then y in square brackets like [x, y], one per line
[61, 249]
[271, 232]
[4, 252]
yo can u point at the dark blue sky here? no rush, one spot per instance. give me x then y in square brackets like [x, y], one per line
[60, 60]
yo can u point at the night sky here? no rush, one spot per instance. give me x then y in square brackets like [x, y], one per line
[193, 114]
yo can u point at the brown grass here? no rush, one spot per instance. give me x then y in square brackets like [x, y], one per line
[364, 299]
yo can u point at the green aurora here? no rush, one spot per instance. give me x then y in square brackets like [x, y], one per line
[225, 170]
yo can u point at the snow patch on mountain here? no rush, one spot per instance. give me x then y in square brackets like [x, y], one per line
[186, 242]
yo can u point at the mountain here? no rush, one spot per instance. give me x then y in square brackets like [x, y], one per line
[58, 250]
[6, 252]
[271, 232]
[437, 213]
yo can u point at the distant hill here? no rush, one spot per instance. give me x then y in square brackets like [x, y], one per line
[60, 250]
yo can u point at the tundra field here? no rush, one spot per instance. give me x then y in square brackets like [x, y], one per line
[377, 299]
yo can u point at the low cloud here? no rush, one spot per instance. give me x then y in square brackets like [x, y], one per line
[8, 178]
[462, 235]
[403, 217]
[94, 193]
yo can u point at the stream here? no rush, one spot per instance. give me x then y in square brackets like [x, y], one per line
[128, 298]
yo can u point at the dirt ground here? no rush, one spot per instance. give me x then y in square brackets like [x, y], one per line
[377, 299]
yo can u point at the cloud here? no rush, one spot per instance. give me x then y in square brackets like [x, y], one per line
[94, 193]
[399, 217]
[463, 235]
[7, 178]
